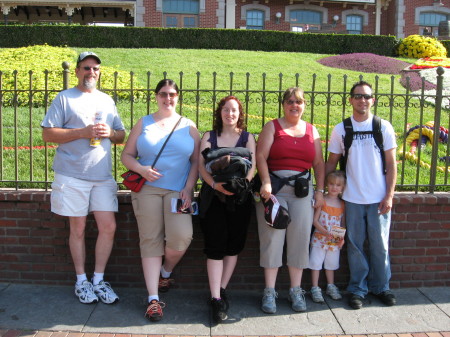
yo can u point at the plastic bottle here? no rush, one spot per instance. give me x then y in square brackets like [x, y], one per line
[97, 119]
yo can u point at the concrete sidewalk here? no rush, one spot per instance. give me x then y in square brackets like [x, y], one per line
[36, 308]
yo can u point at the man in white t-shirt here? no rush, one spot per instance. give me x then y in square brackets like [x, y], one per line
[368, 198]
[84, 122]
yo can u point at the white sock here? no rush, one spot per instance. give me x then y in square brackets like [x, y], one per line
[81, 278]
[153, 297]
[164, 273]
[97, 278]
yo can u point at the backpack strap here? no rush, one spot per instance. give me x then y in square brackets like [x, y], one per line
[348, 139]
[378, 137]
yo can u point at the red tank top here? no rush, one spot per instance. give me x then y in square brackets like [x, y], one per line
[291, 153]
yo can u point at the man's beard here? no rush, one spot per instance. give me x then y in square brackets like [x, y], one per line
[89, 84]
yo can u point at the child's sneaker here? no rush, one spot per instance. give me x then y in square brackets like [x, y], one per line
[85, 292]
[154, 310]
[105, 293]
[333, 292]
[316, 294]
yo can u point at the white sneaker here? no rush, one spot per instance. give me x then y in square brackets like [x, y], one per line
[85, 292]
[333, 292]
[316, 294]
[105, 293]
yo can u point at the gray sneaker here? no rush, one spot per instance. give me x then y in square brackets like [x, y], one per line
[268, 301]
[297, 297]
[333, 292]
[316, 294]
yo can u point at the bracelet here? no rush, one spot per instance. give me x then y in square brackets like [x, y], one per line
[321, 191]
[213, 185]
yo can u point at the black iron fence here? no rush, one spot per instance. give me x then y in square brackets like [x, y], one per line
[420, 119]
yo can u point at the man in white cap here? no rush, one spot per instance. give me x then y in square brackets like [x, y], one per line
[84, 122]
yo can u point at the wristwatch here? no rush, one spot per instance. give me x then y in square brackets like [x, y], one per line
[322, 191]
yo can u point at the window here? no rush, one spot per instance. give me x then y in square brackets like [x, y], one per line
[431, 19]
[304, 28]
[255, 19]
[181, 6]
[171, 22]
[297, 17]
[354, 24]
[189, 22]
[180, 13]
[180, 21]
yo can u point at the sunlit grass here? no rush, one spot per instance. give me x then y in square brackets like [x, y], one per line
[205, 76]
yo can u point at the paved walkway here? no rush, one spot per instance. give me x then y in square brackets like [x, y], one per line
[53, 311]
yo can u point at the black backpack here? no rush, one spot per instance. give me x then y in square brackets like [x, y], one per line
[348, 139]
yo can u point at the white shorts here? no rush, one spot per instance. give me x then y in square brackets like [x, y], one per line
[77, 197]
[328, 258]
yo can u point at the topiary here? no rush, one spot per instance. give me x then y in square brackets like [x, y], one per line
[417, 46]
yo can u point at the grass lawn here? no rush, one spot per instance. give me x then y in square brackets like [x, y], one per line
[252, 74]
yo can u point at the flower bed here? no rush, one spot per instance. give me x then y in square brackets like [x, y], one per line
[431, 62]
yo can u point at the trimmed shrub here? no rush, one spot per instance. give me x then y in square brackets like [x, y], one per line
[15, 65]
[417, 46]
[196, 38]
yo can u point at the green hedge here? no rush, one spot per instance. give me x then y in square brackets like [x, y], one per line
[136, 37]
[446, 44]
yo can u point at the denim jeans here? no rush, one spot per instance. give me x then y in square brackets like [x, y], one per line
[370, 268]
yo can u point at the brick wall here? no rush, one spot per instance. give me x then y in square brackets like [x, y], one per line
[34, 246]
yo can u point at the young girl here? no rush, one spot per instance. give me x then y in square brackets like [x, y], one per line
[328, 237]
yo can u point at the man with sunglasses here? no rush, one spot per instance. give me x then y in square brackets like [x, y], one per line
[368, 198]
[84, 122]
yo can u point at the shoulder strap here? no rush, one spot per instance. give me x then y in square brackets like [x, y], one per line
[348, 139]
[213, 139]
[378, 137]
[164, 145]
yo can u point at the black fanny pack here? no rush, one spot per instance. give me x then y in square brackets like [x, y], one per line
[301, 184]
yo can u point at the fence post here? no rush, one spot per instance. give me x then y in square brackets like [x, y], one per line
[437, 123]
[66, 73]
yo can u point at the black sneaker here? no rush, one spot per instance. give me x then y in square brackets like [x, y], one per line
[224, 297]
[356, 301]
[387, 297]
[219, 311]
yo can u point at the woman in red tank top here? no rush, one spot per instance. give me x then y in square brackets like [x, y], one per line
[287, 146]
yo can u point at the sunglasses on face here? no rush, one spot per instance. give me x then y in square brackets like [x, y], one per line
[89, 68]
[361, 96]
[291, 102]
[167, 94]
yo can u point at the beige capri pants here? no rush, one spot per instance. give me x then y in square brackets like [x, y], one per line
[297, 234]
[158, 226]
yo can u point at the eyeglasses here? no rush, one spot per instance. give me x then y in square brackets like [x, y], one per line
[291, 102]
[93, 68]
[361, 96]
[167, 94]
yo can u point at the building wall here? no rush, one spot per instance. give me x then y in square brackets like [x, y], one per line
[34, 246]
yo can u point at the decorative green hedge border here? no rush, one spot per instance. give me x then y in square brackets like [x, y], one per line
[198, 38]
